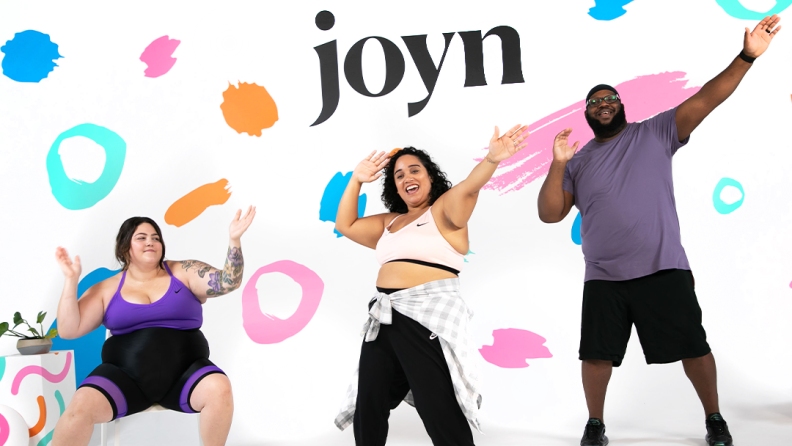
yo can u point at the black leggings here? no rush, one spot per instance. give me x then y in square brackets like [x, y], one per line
[407, 356]
[151, 365]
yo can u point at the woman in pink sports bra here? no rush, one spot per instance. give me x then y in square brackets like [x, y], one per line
[157, 353]
[416, 345]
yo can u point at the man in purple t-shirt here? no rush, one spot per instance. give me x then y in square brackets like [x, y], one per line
[636, 269]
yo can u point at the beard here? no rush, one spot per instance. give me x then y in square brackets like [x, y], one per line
[616, 125]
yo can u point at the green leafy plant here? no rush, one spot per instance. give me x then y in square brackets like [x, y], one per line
[5, 331]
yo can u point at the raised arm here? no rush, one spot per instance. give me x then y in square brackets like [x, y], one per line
[207, 281]
[693, 111]
[554, 202]
[458, 203]
[77, 318]
[367, 230]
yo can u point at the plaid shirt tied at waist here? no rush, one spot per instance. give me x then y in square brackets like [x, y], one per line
[439, 307]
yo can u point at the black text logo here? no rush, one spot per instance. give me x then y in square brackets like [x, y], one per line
[394, 64]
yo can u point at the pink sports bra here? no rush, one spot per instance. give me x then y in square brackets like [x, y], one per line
[419, 242]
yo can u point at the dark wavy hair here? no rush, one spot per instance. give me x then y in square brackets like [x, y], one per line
[390, 195]
[124, 239]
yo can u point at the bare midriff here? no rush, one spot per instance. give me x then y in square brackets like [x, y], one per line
[408, 275]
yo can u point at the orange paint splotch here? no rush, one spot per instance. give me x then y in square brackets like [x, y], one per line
[190, 206]
[33, 431]
[249, 108]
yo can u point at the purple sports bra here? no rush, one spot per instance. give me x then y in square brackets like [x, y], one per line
[178, 308]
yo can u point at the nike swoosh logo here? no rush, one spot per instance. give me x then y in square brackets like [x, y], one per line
[432, 336]
[177, 291]
[421, 224]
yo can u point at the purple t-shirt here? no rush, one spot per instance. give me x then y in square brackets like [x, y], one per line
[625, 194]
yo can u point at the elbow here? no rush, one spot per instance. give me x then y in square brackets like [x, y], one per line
[67, 335]
[549, 217]
[341, 229]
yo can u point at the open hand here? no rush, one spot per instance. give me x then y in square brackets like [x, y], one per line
[240, 224]
[756, 42]
[71, 269]
[561, 150]
[507, 145]
[371, 167]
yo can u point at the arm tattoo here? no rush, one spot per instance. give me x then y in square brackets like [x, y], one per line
[230, 278]
[201, 268]
[220, 281]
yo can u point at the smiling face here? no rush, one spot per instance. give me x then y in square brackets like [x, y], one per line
[413, 183]
[603, 113]
[606, 120]
[145, 248]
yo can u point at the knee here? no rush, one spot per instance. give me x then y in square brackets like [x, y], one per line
[82, 410]
[597, 363]
[216, 390]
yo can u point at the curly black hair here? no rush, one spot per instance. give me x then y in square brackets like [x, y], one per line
[390, 196]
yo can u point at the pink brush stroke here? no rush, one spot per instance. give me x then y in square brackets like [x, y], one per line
[511, 347]
[264, 328]
[158, 56]
[38, 370]
[644, 97]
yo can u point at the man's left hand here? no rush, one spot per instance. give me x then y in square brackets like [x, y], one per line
[756, 42]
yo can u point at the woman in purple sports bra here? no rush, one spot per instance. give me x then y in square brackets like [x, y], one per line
[416, 346]
[157, 353]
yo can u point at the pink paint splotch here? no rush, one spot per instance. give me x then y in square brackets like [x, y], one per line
[158, 56]
[38, 370]
[264, 328]
[643, 97]
[512, 347]
[5, 430]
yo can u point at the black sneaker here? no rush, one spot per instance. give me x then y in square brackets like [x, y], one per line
[717, 431]
[594, 435]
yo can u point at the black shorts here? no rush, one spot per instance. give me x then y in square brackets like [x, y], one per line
[152, 365]
[663, 307]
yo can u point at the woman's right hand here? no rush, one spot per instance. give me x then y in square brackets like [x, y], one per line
[371, 167]
[71, 269]
[561, 150]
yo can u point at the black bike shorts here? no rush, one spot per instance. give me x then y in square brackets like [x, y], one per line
[152, 365]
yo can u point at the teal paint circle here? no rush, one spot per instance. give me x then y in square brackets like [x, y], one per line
[76, 195]
[735, 9]
[719, 204]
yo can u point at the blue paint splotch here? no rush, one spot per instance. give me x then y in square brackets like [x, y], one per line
[736, 9]
[87, 349]
[29, 56]
[576, 238]
[328, 208]
[721, 206]
[608, 9]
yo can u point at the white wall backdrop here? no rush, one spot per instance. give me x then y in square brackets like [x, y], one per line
[523, 274]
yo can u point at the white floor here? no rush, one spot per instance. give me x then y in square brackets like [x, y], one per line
[751, 424]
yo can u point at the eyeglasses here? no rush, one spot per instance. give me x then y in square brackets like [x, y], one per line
[593, 102]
